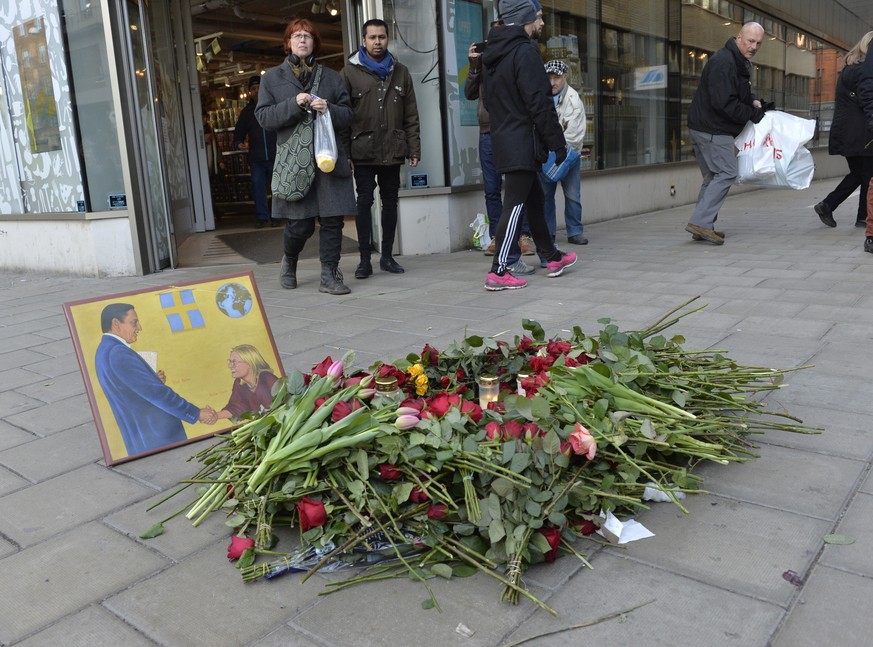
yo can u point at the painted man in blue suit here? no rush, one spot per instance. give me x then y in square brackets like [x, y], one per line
[149, 413]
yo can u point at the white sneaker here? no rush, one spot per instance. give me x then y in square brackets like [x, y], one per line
[521, 268]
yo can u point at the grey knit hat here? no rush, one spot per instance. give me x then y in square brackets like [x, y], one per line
[518, 12]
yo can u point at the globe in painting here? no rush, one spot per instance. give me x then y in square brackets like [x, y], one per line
[234, 300]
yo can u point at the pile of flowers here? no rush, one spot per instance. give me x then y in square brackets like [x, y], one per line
[581, 426]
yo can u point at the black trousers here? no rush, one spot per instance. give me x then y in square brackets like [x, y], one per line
[330, 239]
[848, 185]
[522, 190]
[366, 178]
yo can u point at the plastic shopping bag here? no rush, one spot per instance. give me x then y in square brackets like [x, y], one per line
[481, 236]
[325, 142]
[771, 152]
[556, 172]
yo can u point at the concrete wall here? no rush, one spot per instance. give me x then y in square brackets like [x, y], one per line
[97, 246]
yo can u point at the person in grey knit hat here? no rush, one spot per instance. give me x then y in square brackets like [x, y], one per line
[518, 12]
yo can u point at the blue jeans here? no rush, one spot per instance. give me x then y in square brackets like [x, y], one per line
[493, 181]
[262, 173]
[572, 187]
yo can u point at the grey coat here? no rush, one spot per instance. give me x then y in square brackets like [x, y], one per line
[331, 194]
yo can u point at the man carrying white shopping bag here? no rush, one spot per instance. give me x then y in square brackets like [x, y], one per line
[721, 106]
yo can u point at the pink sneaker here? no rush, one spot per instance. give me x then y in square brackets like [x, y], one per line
[556, 268]
[495, 282]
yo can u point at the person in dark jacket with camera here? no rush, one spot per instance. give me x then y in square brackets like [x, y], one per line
[261, 146]
[524, 128]
[720, 109]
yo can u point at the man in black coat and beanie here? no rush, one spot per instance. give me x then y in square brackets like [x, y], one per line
[261, 145]
[524, 128]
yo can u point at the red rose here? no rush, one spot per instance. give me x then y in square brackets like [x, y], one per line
[340, 410]
[445, 381]
[512, 429]
[430, 355]
[238, 545]
[388, 472]
[462, 389]
[455, 399]
[557, 348]
[418, 495]
[355, 380]
[493, 431]
[499, 407]
[553, 536]
[531, 431]
[439, 404]
[437, 511]
[473, 410]
[312, 513]
[539, 364]
[460, 375]
[415, 403]
[525, 344]
[585, 527]
[388, 370]
[570, 362]
[566, 449]
[320, 369]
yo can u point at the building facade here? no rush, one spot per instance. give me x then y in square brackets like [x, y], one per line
[110, 109]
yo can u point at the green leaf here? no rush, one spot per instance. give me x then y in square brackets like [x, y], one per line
[464, 570]
[235, 521]
[508, 451]
[502, 487]
[552, 443]
[539, 540]
[475, 341]
[647, 429]
[535, 329]
[679, 397]
[539, 407]
[465, 529]
[558, 518]
[493, 505]
[428, 604]
[839, 540]
[402, 492]
[496, 531]
[155, 531]
[608, 355]
[362, 464]
[443, 570]
[519, 463]
[247, 558]
[600, 408]
[533, 508]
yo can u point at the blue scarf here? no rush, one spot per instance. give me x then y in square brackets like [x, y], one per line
[379, 68]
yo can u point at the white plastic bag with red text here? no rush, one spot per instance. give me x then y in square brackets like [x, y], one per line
[771, 152]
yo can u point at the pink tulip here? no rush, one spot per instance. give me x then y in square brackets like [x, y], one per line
[336, 370]
[406, 422]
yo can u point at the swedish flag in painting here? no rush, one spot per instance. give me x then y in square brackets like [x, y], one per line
[181, 310]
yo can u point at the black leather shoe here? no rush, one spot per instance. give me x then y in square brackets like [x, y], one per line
[274, 223]
[825, 214]
[390, 265]
[860, 223]
[578, 239]
[260, 224]
[363, 270]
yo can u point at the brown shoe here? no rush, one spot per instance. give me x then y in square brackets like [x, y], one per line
[720, 234]
[528, 248]
[490, 250]
[706, 234]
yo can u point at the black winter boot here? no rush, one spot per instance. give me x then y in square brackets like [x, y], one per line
[332, 280]
[365, 268]
[288, 273]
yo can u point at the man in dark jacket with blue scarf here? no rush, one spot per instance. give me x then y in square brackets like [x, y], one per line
[524, 128]
[261, 145]
[384, 134]
[720, 109]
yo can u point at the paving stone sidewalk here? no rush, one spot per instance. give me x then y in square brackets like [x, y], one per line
[783, 291]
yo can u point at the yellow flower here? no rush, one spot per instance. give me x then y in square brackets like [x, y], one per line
[416, 370]
[421, 384]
